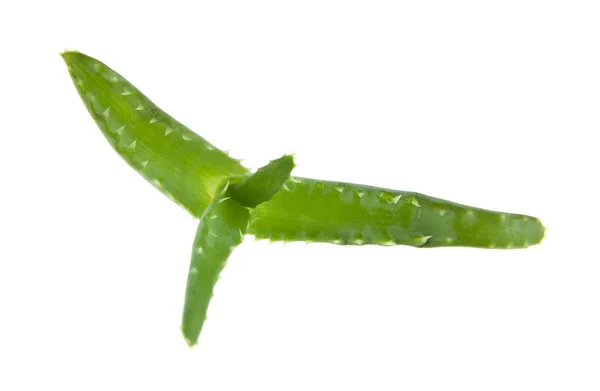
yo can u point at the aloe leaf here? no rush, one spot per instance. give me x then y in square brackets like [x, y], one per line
[267, 181]
[182, 165]
[220, 230]
[344, 213]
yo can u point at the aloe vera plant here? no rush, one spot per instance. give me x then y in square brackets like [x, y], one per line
[207, 182]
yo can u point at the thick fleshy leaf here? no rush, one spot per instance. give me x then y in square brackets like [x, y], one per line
[221, 229]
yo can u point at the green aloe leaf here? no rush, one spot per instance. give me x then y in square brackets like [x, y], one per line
[344, 213]
[182, 165]
[221, 229]
[265, 183]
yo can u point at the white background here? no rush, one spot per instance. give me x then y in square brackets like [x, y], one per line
[492, 104]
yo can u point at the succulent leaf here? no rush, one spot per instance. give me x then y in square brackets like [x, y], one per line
[221, 229]
[182, 165]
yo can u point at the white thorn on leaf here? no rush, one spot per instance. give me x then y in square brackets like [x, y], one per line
[424, 239]
[396, 199]
[225, 187]
[171, 196]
